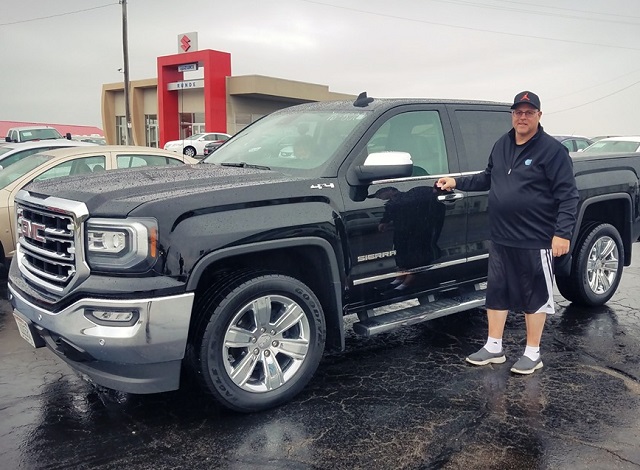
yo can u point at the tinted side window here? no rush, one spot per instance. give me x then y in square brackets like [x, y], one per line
[479, 131]
[78, 166]
[420, 134]
[582, 144]
[133, 161]
[569, 145]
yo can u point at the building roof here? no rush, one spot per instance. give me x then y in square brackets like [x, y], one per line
[62, 128]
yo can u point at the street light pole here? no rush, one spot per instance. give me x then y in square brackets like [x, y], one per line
[125, 53]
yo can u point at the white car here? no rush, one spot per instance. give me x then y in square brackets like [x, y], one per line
[12, 152]
[615, 144]
[194, 145]
[58, 163]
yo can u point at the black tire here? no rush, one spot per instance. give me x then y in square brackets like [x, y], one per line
[234, 346]
[189, 151]
[597, 267]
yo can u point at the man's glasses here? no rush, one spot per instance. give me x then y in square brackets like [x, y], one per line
[528, 113]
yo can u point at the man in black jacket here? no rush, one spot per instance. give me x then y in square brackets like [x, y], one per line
[532, 214]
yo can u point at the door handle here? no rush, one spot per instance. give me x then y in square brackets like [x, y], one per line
[450, 197]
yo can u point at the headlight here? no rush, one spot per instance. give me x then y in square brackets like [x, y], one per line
[122, 244]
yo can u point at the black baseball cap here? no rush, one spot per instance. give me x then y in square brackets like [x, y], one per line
[526, 97]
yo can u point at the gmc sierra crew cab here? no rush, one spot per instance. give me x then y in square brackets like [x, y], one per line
[240, 270]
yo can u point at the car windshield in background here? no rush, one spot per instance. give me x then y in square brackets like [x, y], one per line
[194, 137]
[613, 146]
[289, 141]
[40, 134]
[6, 148]
[20, 168]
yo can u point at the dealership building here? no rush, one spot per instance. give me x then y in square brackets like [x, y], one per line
[195, 92]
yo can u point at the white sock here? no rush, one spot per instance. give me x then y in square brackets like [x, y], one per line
[493, 345]
[532, 352]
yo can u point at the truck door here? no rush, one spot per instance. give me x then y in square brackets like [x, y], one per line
[406, 237]
[476, 131]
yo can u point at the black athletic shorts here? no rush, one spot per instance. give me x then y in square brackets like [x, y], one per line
[520, 279]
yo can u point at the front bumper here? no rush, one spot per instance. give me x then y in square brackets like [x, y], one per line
[145, 357]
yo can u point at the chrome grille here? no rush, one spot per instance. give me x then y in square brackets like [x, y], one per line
[49, 251]
[48, 244]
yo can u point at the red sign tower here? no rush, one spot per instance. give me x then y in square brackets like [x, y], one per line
[217, 67]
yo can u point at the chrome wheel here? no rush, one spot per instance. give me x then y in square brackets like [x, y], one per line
[258, 338]
[602, 265]
[266, 343]
[189, 152]
[596, 270]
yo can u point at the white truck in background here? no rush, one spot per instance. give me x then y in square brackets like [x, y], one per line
[29, 133]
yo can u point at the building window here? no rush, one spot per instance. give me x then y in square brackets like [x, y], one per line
[121, 130]
[191, 123]
[151, 130]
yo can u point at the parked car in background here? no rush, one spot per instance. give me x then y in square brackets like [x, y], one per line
[194, 145]
[574, 143]
[600, 137]
[12, 152]
[615, 144]
[56, 163]
[210, 147]
[29, 133]
[94, 139]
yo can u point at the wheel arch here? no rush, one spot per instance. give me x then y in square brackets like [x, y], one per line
[614, 209]
[312, 260]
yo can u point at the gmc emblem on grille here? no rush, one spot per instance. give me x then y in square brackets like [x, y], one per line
[31, 230]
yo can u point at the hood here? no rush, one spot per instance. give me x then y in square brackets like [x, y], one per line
[121, 191]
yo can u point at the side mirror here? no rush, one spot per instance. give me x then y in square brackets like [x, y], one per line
[384, 165]
[68, 135]
[7, 139]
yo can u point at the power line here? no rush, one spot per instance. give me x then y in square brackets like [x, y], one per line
[593, 86]
[414, 20]
[58, 15]
[534, 12]
[569, 9]
[597, 99]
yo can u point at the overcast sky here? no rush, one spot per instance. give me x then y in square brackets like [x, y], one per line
[581, 56]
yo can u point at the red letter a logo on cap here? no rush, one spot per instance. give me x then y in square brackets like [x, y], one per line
[525, 97]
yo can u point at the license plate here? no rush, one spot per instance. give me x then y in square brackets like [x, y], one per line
[25, 331]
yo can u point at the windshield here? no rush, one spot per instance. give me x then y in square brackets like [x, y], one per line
[194, 137]
[613, 146]
[39, 134]
[20, 168]
[298, 140]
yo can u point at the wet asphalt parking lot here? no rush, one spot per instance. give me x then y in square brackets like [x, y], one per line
[401, 400]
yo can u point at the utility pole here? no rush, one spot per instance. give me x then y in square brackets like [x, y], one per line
[125, 53]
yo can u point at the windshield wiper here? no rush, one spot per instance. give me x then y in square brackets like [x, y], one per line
[245, 165]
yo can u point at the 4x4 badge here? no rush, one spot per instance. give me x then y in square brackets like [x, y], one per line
[322, 186]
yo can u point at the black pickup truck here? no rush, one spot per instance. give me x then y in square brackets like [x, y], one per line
[240, 270]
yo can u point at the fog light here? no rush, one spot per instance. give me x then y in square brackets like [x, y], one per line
[112, 317]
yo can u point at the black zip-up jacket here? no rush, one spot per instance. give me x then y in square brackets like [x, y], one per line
[533, 196]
